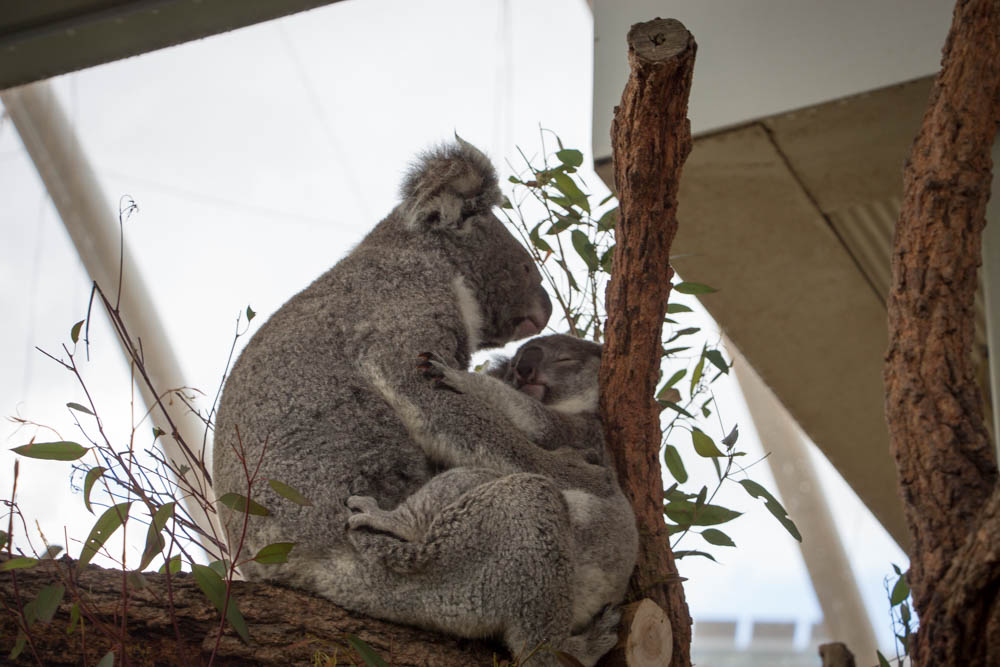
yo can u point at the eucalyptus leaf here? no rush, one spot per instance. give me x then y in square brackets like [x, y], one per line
[674, 308]
[214, 588]
[772, 505]
[108, 660]
[52, 451]
[74, 617]
[250, 313]
[717, 360]
[47, 601]
[608, 259]
[19, 644]
[79, 408]
[586, 249]
[674, 463]
[367, 653]
[74, 333]
[570, 157]
[274, 553]
[288, 492]
[154, 538]
[676, 408]
[104, 527]
[900, 592]
[686, 331]
[608, 220]
[241, 504]
[733, 436]
[699, 368]
[568, 187]
[704, 445]
[537, 241]
[691, 552]
[174, 564]
[18, 563]
[88, 485]
[686, 513]
[562, 223]
[694, 288]
[220, 567]
[717, 537]
[674, 379]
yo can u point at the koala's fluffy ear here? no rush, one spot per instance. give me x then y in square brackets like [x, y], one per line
[448, 185]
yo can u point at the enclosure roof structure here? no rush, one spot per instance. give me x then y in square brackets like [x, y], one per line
[39, 40]
[791, 218]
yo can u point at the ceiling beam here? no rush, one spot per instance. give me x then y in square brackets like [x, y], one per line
[39, 40]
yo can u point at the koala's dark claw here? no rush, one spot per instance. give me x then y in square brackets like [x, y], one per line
[441, 383]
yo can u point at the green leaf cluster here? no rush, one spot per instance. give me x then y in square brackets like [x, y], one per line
[572, 241]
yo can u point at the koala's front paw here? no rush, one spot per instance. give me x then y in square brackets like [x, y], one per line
[440, 374]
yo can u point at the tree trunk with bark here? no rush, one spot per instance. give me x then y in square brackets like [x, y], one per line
[947, 469]
[650, 138]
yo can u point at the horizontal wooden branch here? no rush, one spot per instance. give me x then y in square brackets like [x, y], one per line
[286, 626]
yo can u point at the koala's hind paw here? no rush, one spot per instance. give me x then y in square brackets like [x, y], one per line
[435, 370]
[370, 517]
[363, 504]
[597, 638]
[378, 546]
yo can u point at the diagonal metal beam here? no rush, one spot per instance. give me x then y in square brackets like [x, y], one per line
[93, 227]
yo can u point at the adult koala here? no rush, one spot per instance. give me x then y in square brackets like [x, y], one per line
[326, 397]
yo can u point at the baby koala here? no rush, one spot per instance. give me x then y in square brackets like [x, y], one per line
[549, 392]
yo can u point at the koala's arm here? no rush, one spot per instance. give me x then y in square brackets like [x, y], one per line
[544, 426]
[461, 430]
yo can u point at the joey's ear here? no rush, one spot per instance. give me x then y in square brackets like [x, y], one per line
[447, 186]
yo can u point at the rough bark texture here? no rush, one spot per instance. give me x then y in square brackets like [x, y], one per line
[650, 138]
[947, 471]
[287, 627]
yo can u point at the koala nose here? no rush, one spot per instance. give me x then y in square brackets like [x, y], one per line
[527, 363]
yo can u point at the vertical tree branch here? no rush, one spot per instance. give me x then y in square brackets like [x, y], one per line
[650, 138]
[947, 471]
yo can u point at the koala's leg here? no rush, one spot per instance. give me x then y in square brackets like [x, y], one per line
[495, 562]
[409, 522]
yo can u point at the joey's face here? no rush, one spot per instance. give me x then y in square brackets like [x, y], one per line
[560, 371]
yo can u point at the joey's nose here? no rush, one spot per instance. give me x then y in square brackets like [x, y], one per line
[527, 363]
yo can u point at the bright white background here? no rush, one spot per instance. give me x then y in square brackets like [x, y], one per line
[258, 158]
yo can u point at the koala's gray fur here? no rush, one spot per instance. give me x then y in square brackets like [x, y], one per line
[549, 391]
[326, 397]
